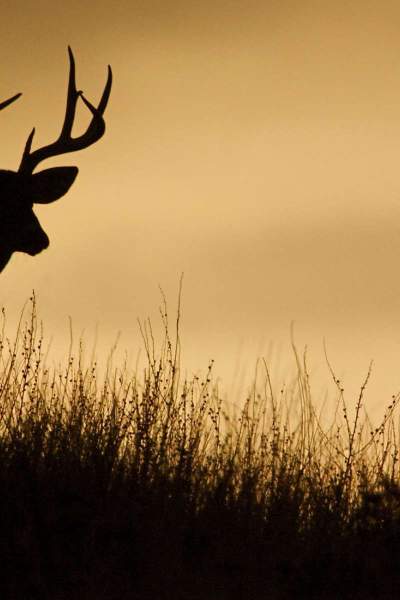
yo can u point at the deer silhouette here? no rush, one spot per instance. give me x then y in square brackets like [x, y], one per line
[20, 230]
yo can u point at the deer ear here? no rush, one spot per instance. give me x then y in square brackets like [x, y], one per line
[50, 184]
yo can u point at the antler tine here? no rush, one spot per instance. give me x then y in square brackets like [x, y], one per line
[72, 98]
[9, 101]
[97, 125]
[65, 142]
[106, 93]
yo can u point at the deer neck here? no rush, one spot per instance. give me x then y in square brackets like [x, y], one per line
[5, 256]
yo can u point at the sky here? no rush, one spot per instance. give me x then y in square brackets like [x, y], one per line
[253, 146]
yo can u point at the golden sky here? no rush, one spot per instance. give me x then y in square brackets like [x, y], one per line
[254, 146]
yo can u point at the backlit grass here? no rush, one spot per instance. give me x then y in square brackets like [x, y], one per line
[147, 485]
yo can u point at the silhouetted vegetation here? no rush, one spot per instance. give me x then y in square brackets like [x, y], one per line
[148, 486]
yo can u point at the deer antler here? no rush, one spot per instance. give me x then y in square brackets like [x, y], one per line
[9, 101]
[65, 142]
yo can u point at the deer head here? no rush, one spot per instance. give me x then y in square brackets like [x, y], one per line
[20, 230]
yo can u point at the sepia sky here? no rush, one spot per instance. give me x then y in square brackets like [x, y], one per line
[254, 146]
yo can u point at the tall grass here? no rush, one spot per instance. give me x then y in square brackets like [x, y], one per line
[150, 486]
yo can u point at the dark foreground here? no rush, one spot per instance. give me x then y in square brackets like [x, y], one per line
[64, 535]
